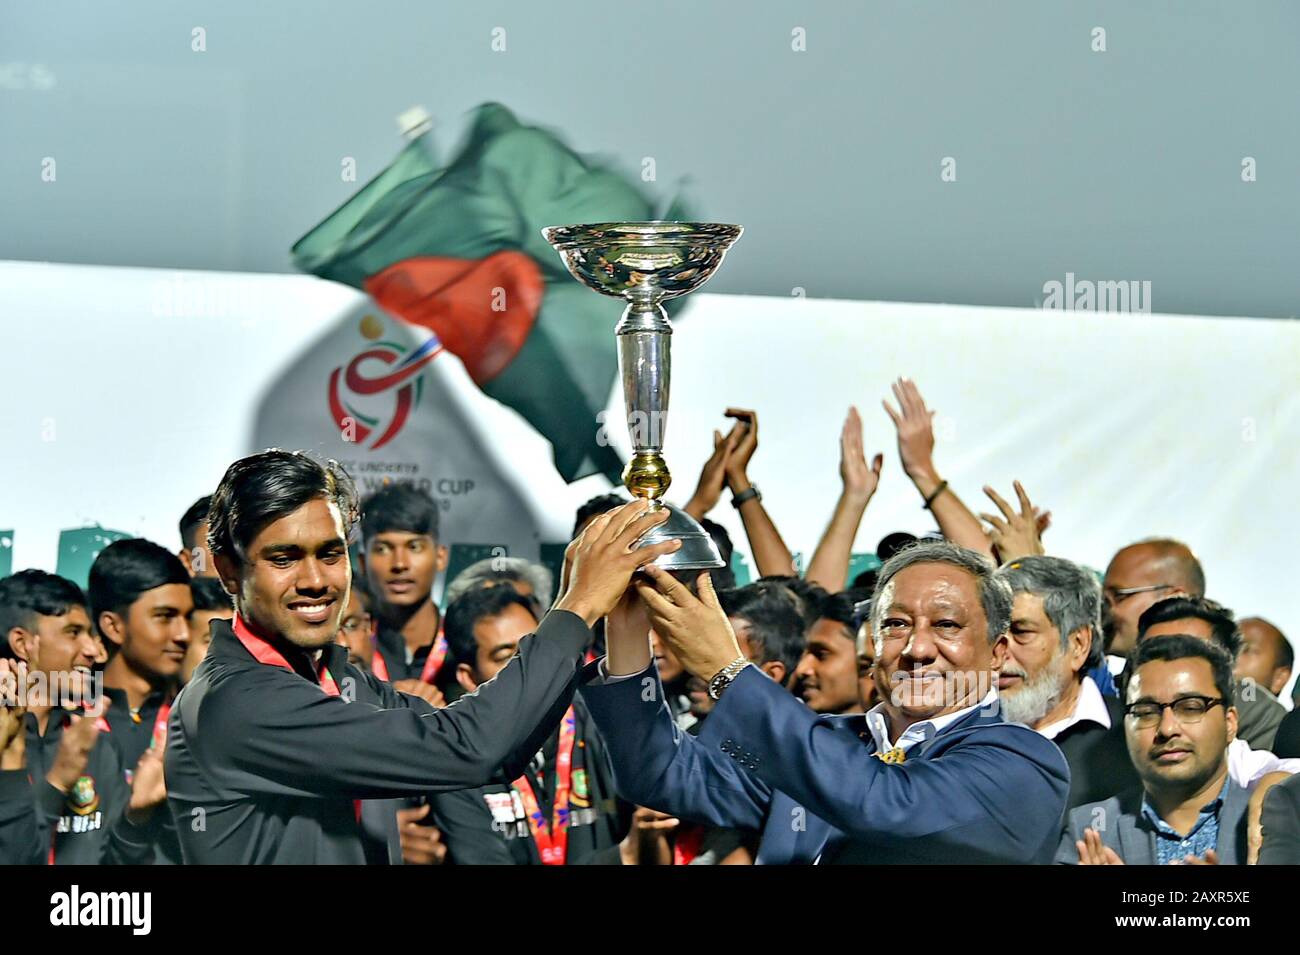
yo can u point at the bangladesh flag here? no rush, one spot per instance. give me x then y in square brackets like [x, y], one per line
[458, 250]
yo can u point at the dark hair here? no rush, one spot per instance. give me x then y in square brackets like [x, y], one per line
[466, 611]
[865, 580]
[1222, 621]
[840, 608]
[399, 507]
[194, 515]
[891, 544]
[126, 569]
[777, 628]
[362, 590]
[1183, 647]
[208, 594]
[264, 487]
[723, 577]
[596, 505]
[31, 593]
[807, 596]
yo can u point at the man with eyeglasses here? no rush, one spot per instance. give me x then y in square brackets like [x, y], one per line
[1258, 712]
[1179, 718]
[1138, 576]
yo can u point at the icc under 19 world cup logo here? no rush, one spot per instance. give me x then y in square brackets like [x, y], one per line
[393, 368]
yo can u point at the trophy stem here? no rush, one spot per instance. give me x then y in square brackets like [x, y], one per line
[645, 365]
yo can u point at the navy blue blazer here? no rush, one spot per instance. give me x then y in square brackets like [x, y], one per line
[980, 791]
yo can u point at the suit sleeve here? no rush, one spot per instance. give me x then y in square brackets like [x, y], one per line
[1004, 795]
[1280, 820]
[659, 766]
[19, 840]
[312, 744]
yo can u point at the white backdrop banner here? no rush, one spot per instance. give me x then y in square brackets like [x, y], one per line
[128, 392]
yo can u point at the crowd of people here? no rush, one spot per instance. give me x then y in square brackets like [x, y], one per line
[284, 687]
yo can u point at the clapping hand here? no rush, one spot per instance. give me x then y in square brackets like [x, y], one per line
[1092, 851]
[1015, 535]
[860, 481]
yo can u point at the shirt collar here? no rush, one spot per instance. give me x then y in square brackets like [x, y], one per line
[878, 724]
[1209, 810]
[1089, 706]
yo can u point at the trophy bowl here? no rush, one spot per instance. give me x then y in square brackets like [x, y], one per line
[643, 260]
[645, 263]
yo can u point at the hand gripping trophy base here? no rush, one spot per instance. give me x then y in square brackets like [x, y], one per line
[646, 475]
[644, 263]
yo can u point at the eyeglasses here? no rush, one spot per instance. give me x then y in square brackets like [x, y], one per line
[1187, 710]
[1115, 595]
[355, 624]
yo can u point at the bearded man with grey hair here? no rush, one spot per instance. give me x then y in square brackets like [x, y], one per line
[931, 774]
[1055, 640]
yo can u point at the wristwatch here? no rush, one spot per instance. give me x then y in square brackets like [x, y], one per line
[724, 677]
[750, 493]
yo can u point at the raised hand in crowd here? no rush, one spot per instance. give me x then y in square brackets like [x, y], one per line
[606, 555]
[421, 843]
[829, 566]
[713, 476]
[1015, 534]
[915, 425]
[771, 556]
[13, 739]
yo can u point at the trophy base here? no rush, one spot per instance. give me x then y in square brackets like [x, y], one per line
[698, 552]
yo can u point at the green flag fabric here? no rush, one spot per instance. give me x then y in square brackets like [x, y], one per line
[458, 250]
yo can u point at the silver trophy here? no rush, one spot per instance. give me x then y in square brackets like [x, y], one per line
[645, 263]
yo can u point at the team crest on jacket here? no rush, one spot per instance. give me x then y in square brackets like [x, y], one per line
[82, 798]
[579, 796]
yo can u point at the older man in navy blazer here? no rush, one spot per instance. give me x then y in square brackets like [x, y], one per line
[932, 774]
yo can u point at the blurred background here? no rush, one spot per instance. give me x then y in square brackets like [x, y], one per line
[827, 144]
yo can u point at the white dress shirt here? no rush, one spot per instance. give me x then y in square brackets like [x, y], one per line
[878, 723]
[1089, 706]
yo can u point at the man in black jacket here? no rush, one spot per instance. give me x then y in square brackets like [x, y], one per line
[277, 735]
[78, 782]
[562, 809]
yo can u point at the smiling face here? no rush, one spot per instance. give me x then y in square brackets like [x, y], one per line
[933, 654]
[153, 635]
[296, 576]
[827, 675]
[1174, 755]
[61, 643]
[401, 567]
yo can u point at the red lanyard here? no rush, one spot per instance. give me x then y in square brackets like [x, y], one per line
[553, 840]
[265, 653]
[686, 846]
[160, 728]
[432, 663]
